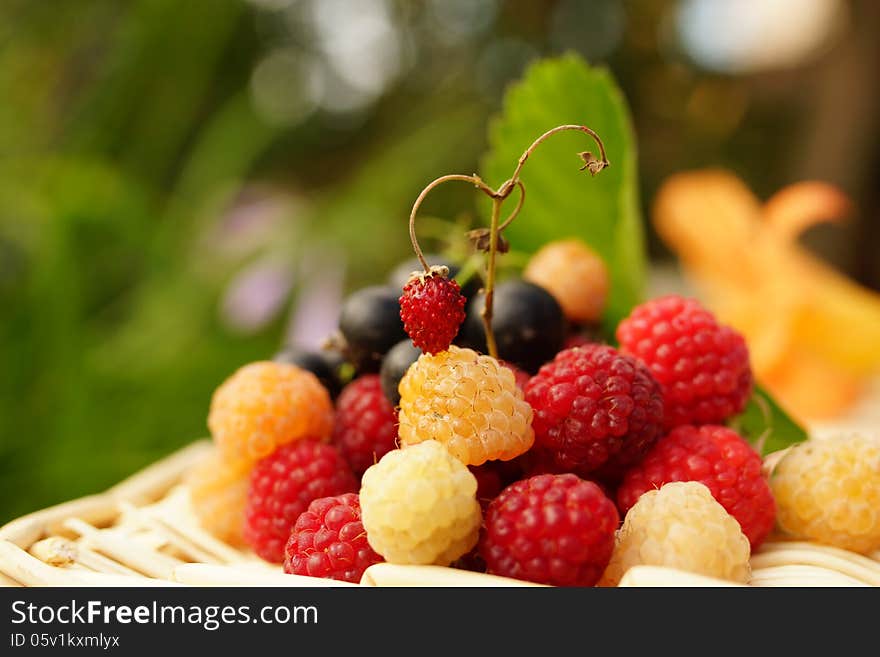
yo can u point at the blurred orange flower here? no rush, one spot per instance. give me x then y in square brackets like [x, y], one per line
[814, 334]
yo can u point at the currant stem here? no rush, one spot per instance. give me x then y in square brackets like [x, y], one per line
[494, 229]
[474, 180]
[580, 128]
[490, 277]
[498, 197]
[522, 198]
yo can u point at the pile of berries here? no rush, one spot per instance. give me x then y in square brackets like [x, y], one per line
[560, 460]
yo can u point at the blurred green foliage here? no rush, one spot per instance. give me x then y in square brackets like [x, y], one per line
[130, 133]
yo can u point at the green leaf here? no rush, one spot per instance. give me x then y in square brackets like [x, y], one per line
[562, 201]
[765, 424]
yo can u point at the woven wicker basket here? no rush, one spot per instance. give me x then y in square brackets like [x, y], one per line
[142, 532]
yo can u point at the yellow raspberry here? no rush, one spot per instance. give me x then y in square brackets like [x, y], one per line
[575, 275]
[218, 492]
[681, 526]
[265, 405]
[829, 491]
[468, 402]
[419, 506]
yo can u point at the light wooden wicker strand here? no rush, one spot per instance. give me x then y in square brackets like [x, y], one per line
[130, 553]
[170, 534]
[198, 574]
[27, 570]
[852, 565]
[790, 575]
[660, 576]
[386, 574]
[62, 552]
[175, 516]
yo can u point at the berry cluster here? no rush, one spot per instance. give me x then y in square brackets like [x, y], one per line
[491, 427]
[521, 464]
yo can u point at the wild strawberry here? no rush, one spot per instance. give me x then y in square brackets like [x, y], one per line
[432, 309]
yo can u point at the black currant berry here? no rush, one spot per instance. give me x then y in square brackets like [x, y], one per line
[400, 274]
[394, 366]
[326, 364]
[370, 323]
[528, 324]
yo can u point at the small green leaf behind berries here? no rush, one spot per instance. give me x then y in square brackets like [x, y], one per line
[766, 425]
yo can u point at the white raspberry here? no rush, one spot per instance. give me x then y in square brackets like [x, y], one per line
[680, 526]
[467, 401]
[419, 506]
[829, 491]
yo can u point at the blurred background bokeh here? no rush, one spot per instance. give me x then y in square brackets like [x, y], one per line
[185, 186]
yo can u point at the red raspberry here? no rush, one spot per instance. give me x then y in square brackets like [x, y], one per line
[702, 366]
[366, 423]
[329, 541]
[432, 309]
[595, 408]
[716, 457]
[550, 529]
[282, 486]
